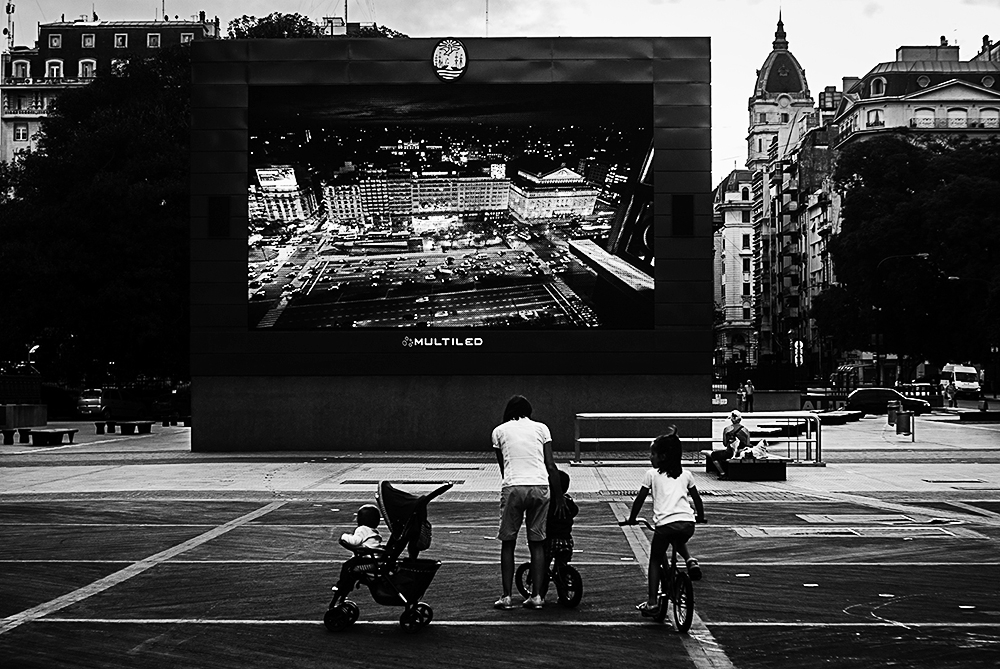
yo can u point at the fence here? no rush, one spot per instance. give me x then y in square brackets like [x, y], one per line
[792, 434]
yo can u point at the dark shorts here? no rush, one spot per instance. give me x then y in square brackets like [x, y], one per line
[523, 503]
[560, 548]
[676, 533]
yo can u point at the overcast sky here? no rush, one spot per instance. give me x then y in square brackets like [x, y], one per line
[830, 39]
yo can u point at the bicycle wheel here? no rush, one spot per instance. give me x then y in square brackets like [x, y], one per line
[682, 601]
[522, 579]
[569, 586]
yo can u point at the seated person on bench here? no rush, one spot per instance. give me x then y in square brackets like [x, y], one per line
[735, 438]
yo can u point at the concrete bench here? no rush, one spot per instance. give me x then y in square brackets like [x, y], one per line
[8, 435]
[771, 468]
[136, 426]
[51, 436]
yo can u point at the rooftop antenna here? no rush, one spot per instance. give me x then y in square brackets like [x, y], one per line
[9, 30]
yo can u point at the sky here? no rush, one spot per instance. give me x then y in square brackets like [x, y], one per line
[830, 39]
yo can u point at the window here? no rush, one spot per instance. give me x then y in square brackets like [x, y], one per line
[989, 118]
[762, 118]
[923, 81]
[53, 69]
[153, 40]
[88, 69]
[958, 118]
[746, 241]
[118, 66]
[87, 41]
[187, 37]
[746, 287]
[746, 215]
[55, 41]
[21, 69]
[121, 40]
[878, 86]
[745, 194]
[988, 81]
[746, 264]
[876, 118]
[784, 117]
[760, 145]
[923, 118]
[20, 132]
[746, 313]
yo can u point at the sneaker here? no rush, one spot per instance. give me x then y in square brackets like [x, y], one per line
[535, 602]
[694, 571]
[503, 603]
[646, 609]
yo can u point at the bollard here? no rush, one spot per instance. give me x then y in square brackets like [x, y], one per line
[111, 427]
[892, 409]
[100, 427]
[903, 422]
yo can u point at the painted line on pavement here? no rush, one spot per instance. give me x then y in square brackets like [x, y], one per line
[37, 612]
[46, 449]
[502, 623]
[699, 643]
[582, 563]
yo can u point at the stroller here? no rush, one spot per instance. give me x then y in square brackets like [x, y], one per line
[391, 580]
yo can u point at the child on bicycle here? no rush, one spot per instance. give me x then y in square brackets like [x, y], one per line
[673, 492]
[365, 536]
[559, 530]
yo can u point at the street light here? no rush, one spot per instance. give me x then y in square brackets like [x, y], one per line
[878, 312]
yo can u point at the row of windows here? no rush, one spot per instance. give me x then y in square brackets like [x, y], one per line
[878, 84]
[89, 40]
[54, 69]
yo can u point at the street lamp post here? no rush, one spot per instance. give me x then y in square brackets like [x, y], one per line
[878, 313]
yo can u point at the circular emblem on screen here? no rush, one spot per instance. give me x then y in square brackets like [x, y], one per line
[450, 59]
[407, 342]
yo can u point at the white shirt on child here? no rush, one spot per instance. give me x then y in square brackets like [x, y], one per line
[363, 537]
[671, 502]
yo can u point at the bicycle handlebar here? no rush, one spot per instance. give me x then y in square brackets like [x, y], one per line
[648, 525]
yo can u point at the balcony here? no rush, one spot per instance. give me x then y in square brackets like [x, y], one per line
[15, 82]
[954, 123]
[29, 110]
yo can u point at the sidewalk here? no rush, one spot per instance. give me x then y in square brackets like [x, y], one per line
[948, 459]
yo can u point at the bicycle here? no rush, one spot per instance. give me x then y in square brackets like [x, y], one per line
[676, 592]
[569, 584]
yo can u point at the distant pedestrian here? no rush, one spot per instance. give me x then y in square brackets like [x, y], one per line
[951, 393]
[748, 393]
[741, 398]
[735, 438]
[530, 484]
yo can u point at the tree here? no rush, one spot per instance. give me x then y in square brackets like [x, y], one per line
[95, 255]
[905, 196]
[273, 26]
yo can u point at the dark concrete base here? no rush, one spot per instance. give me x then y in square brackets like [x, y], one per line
[755, 470]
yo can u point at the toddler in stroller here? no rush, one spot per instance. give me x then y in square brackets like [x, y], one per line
[392, 581]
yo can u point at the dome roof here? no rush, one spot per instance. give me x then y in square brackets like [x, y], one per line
[781, 72]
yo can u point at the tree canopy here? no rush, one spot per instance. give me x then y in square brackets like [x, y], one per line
[94, 261]
[278, 26]
[916, 255]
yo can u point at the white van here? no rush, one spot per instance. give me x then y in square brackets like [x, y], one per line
[966, 378]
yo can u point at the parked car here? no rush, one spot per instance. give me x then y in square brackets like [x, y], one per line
[965, 378]
[111, 403]
[876, 401]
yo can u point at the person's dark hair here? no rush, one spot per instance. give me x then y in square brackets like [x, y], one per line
[666, 450]
[369, 515]
[564, 478]
[518, 406]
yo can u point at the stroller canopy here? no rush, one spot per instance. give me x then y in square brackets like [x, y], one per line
[405, 514]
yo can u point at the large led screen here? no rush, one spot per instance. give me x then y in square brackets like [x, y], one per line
[462, 206]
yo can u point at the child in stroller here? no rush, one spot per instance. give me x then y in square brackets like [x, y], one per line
[392, 581]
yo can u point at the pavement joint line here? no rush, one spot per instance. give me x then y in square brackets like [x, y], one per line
[910, 508]
[37, 612]
[975, 509]
[508, 623]
[699, 643]
[585, 563]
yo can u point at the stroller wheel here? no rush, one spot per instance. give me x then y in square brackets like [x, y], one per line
[414, 620]
[342, 616]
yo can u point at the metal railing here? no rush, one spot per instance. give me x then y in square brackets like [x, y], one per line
[798, 431]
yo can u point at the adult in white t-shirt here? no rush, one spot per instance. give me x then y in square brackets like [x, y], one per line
[523, 448]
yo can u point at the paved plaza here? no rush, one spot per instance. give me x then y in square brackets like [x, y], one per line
[130, 550]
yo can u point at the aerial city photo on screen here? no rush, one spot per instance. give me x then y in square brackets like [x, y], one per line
[458, 206]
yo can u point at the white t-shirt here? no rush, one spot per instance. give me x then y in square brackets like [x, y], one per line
[671, 502]
[363, 536]
[521, 441]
